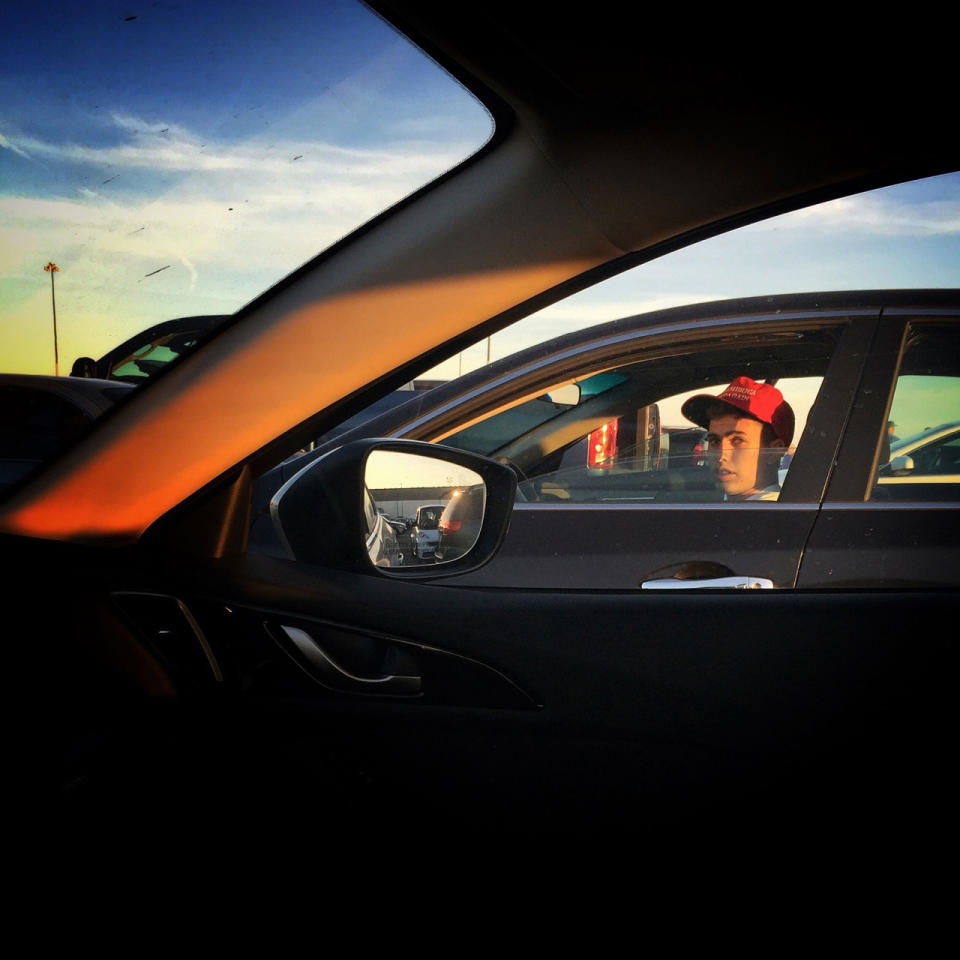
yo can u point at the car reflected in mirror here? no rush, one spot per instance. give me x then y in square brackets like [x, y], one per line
[422, 511]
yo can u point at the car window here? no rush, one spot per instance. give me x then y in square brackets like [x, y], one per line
[627, 438]
[919, 456]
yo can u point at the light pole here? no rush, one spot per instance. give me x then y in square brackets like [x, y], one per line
[52, 268]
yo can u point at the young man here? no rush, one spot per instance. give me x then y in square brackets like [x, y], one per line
[750, 427]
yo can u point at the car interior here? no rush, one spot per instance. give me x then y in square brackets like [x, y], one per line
[177, 670]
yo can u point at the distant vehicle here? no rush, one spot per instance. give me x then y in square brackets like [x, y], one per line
[145, 354]
[921, 464]
[426, 529]
[41, 416]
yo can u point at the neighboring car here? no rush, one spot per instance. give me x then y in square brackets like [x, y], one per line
[145, 354]
[923, 466]
[528, 685]
[577, 521]
[42, 416]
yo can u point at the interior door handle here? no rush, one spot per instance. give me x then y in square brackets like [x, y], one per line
[721, 583]
[332, 675]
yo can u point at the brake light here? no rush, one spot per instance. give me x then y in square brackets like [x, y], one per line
[602, 446]
[450, 526]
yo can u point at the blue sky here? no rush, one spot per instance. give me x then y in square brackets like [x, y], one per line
[183, 161]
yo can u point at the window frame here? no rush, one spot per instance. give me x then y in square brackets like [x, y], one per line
[859, 453]
[825, 421]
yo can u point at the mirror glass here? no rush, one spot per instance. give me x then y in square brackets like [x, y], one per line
[419, 510]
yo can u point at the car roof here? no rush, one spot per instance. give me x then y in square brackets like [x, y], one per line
[570, 351]
[604, 156]
[924, 436]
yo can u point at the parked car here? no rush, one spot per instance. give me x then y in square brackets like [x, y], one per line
[577, 524]
[459, 525]
[41, 416]
[144, 355]
[426, 529]
[528, 685]
[923, 466]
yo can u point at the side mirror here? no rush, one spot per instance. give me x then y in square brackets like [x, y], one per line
[356, 508]
[899, 467]
[84, 367]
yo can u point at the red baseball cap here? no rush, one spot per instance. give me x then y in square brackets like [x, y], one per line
[762, 401]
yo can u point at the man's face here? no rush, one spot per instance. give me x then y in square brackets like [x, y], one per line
[734, 453]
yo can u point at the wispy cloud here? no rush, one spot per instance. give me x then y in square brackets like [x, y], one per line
[225, 219]
[168, 147]
[7, 145]
[874, 214]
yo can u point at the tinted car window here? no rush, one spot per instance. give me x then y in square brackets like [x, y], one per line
[919, 456]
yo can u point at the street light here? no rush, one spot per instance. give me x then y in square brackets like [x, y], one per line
[52, 268]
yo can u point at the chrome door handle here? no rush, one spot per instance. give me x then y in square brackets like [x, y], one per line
[714, 583]
[331, 674]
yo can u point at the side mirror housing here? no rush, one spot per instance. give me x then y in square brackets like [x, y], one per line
[900, 467]
[355, 509]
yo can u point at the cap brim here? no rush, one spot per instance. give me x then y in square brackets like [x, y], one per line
[695, 409]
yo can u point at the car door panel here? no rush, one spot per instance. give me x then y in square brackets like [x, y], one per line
[595, 546]
[646, 702]
[645, 706]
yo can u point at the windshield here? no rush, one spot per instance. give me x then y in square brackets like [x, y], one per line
[166, 163]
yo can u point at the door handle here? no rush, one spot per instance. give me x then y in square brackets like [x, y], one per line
[328, 672]
[710, 583]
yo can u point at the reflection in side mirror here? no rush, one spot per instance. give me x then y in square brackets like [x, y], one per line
[420, 511]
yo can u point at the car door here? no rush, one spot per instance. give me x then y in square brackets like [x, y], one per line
[649, 512]
[648, 515]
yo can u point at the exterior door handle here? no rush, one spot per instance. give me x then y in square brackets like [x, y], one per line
[328, 672]
[711, 583]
